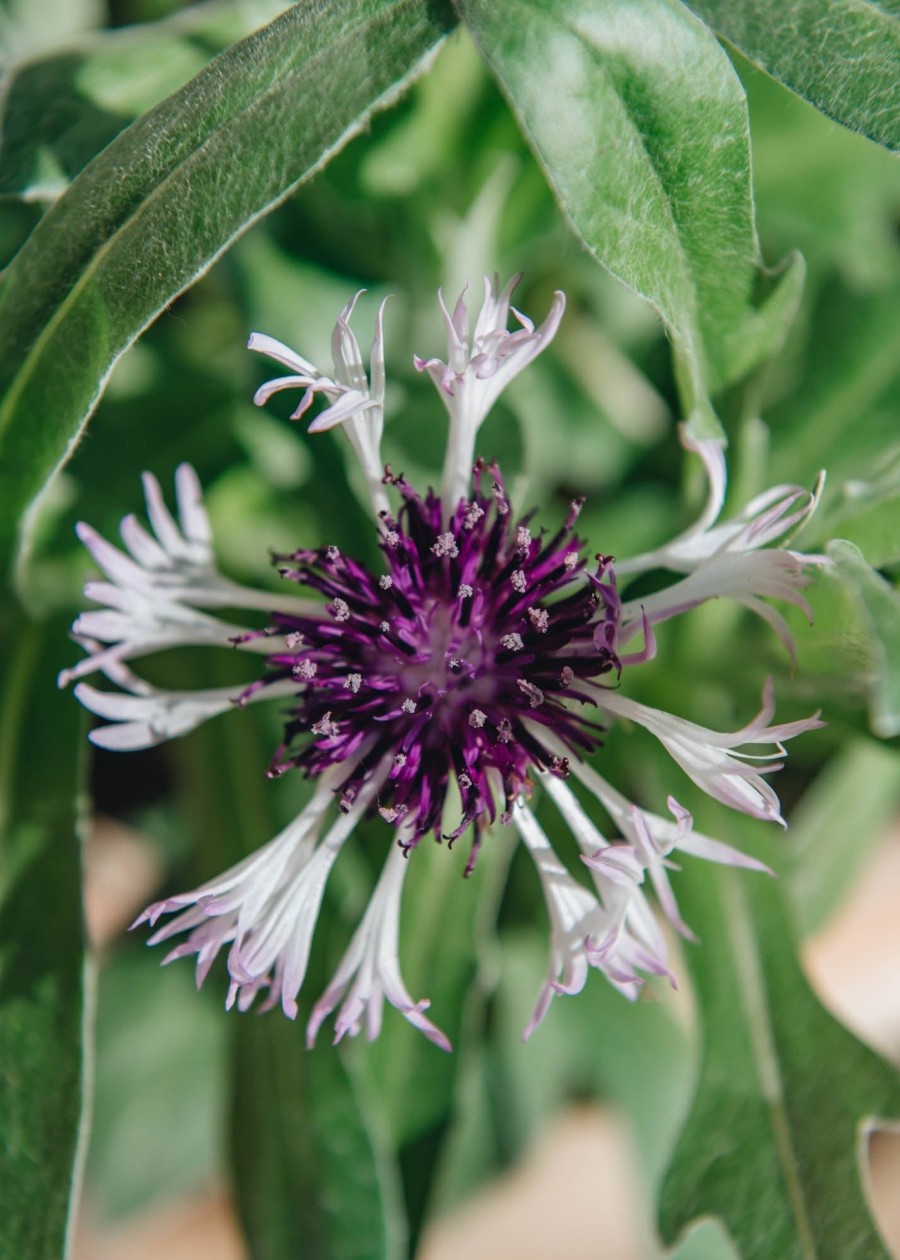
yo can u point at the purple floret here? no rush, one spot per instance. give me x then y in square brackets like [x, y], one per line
[453, 662]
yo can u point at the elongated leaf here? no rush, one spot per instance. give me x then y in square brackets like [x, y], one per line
[640, 123]
[305, 1152]
[879, 603]
[447, 935]
[313, 1170]
[774, 1143]
[41, 947]
[151, 213]
[840, 55]
[60, 109]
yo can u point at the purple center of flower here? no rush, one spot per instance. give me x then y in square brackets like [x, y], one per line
[454, 662]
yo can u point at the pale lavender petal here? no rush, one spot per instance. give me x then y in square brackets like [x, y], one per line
[281, 353]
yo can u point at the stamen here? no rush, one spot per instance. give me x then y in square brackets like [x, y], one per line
[446, 546]
[574, 511]
[391, 813]
[353, 682]
[519, 581]
[534, 694]
[340, 610]
[306, 669]
[539, 618]
[385, 581]
[325, 726]
[477, 719]
[408, 706]
[465, 591]
[513, 642]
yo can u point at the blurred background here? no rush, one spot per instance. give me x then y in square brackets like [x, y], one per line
[554, 1144]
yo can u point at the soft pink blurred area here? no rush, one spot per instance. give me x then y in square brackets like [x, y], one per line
[121, 869]
[579, 1184]
[584, 1158]
[852, 964]
[194, 1229]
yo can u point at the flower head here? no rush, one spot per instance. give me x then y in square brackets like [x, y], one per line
[484, 655]
[456, 665]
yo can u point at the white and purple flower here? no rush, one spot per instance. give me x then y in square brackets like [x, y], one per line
[483, 657]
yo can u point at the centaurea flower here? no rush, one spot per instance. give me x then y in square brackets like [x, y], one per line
[483, 657]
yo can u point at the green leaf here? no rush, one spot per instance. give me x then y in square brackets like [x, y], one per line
[313, 1168]
[640, 122]
[446, 947]
[99, 84]
[840, 55]
[774, 1143]
[157, 206]
[305, 1148]
[42, 985]
[879, 603]
[440, 962]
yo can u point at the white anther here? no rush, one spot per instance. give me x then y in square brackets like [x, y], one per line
[445, 546]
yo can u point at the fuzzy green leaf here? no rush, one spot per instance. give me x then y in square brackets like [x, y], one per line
[775, 1143]
[640, 123]
[306, 1148]
[41, 946]
[157, 206]
[840, 55]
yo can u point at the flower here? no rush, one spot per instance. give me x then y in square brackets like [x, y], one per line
[481, 658]
[475, 375]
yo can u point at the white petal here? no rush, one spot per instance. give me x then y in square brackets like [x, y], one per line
[373, 959]
[161, 520]
[191, 511]
[281, 353]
